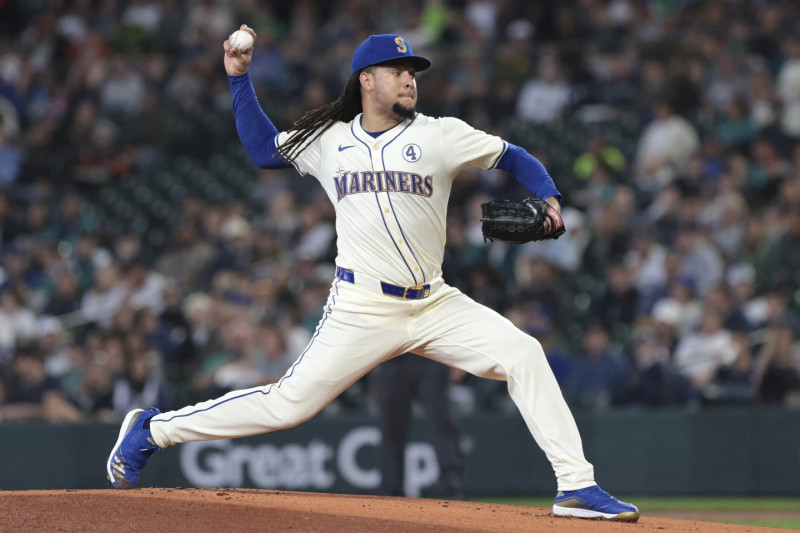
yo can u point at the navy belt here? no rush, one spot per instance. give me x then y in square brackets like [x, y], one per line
[406, 293]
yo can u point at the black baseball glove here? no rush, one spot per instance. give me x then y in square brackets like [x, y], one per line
[518, 222]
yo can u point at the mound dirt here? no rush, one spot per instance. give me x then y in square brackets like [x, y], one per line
[207, 510]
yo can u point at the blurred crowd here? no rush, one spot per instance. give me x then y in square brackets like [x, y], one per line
[677, 283]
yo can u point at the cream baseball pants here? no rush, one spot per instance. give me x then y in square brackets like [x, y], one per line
[362, 327]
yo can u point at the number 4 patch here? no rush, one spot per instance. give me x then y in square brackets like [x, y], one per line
[412, 153]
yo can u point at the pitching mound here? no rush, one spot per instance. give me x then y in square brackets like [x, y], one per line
[201, 510]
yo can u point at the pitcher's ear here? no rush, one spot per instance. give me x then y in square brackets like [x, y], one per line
[365, 79]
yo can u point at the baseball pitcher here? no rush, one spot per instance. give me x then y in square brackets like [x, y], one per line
[388, 171]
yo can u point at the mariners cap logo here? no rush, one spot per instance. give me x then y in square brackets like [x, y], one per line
[380, 48]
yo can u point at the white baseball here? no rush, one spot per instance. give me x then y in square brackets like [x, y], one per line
[241, 39]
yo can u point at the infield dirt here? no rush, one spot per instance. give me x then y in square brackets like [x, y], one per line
[212, 510]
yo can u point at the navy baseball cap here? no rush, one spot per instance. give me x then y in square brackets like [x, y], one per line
[379, 48]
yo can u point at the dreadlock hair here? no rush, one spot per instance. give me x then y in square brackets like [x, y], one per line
[314, 123]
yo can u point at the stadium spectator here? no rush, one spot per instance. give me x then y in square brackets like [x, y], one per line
[30, 394]
[141, 383]
[544, 97]
[107, 294]
[777, 372]
[609, 243]
[747, 310]
[94, 395]
[651, 379]
[65, 297]
[10, 160]
[701, 262]
[788, 87]
[729, 224]
[698, 356]
[188, 258]
[616, 308]
[732, 383]
[646, 261]
[783, 259]
[665, 147]
[597, 372]
[17, 322]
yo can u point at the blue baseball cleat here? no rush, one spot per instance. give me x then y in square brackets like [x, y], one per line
[594, 503]
[134, 447]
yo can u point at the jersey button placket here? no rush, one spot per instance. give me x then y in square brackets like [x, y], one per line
[383, 200]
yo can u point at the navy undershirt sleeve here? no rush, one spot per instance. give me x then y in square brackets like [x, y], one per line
[256, 131]
[529, 171]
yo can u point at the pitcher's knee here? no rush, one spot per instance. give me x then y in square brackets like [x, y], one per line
[526, 357]
[524, 347]
[289, 415]
[289, 412]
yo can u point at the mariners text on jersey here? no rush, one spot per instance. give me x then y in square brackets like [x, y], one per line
[382, 181]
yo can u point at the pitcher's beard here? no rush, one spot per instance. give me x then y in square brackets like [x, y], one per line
[403, 111]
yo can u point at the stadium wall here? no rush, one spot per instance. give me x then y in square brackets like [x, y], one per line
[720, 452]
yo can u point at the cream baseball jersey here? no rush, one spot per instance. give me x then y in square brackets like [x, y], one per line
[391, 192]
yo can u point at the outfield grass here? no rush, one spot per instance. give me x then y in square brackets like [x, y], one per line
[654, 504]
[719, 503]
[780, 524]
